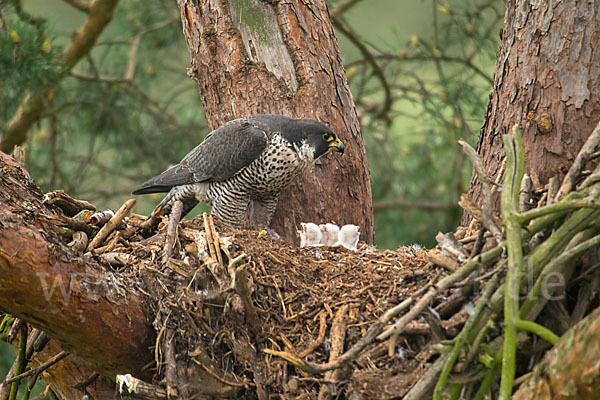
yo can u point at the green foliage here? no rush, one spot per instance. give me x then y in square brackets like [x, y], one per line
[433, 90]
[28, 60]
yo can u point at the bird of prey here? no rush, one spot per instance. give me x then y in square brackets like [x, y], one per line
[242, 165]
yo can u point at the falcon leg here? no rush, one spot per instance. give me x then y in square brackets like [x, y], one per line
[231, 211]
[262, 212]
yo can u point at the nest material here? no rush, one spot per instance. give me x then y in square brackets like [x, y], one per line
[224, 298]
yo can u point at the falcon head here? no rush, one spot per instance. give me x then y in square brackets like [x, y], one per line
[319, 137]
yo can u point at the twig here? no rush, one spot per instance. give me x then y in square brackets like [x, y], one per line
[81, 386]
[556, 207]
[320, 337]
[68, 204]
[462, 339]
[525, 194]
[423, 387]
[39, 369]
[81, 5]
[438, 258]
[171, 365]
[174, 219]
[135, 44]
[487, 217]
[215, 238]
[586, 152]
[14, 329]
[217, 377]
[111, 224]
[551, 267]
[445, 283]
[544, 333]
[338, 337]
[387, 103]
[342, 6]
[209, 239]
[242, 285]
[20, 362]
[232, 267]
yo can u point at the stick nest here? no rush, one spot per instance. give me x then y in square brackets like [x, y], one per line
[224, 298]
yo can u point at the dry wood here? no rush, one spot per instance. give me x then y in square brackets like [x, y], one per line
[448, 243]
[215, 237]
[171, 365]
[525, 194]
[174, 219]
[320, 337]
[210, 239]
[242, 285]
[111, 224]
[101, 217]
[71, 224]
[130, 386]
[338, 336]
[69, 205]
[36, 371]
[436, 257]
[584, 155]
[79, 242]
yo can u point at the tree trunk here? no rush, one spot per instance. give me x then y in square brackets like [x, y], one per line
[548, 81]
[255, 57]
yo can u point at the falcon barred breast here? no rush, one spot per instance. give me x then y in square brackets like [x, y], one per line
[242, 165]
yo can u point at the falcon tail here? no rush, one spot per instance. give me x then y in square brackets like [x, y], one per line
[152, 189]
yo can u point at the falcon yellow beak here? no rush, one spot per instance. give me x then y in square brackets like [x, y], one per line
[337, 145]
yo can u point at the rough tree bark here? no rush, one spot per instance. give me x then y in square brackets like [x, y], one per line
[570, 370]
[548, 81]
[72, 299]
[256, 56]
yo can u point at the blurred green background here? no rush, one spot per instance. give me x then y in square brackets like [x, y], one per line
[420, 73]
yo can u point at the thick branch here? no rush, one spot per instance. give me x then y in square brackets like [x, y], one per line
[88, 310]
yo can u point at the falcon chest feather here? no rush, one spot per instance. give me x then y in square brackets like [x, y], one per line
[271, 171]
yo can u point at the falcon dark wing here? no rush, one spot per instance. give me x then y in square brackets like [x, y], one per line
[224, 152]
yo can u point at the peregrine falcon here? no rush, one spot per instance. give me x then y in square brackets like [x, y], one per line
[244, 163]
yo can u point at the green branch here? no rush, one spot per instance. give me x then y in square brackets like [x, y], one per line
[541, 331]
[513, 147]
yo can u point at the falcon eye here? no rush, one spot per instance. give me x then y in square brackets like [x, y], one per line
[328, 137]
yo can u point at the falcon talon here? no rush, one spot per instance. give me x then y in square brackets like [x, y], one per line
[244, 163]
